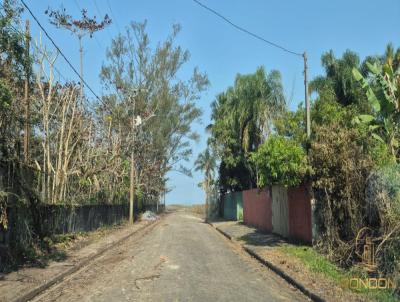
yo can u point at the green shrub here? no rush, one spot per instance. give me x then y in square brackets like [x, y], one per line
[280, 161]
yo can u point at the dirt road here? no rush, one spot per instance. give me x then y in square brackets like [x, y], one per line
[178, 259]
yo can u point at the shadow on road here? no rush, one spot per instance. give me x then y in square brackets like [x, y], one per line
[258, 238]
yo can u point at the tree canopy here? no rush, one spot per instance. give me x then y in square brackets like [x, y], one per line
[241, 120]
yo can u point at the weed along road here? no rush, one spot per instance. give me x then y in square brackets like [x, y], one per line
[180, 258]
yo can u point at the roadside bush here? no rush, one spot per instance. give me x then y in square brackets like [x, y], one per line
[356, 185]
[340, 168]
[383, 215]
[280, 161]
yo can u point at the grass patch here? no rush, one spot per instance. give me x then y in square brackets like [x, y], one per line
[319, 264]
[315, 261]
[64, 240]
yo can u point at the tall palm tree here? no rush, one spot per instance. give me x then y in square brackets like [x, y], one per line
[338, 80]
[241, 120]
[206, 162]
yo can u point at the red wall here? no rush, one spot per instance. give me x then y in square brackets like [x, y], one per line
[257, 208]
[299, 202]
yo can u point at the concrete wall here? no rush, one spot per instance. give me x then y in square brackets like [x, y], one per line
[257, 208]
[239, 206]
[300, 223]
[284, 211]
[229, 207]
[233, 206]
[280, 211]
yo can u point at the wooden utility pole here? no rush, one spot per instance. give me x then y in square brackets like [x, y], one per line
[131, 189]
[80, 28]
[307, 99]
[26, 96]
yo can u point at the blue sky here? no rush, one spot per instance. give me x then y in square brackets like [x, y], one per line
[221, 51]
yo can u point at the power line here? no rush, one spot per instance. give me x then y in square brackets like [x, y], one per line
[61, 53]
[100, 14]
[303, 55]
[65, 58]
[95, 37]
[16, 30]
[58, 72]
[78, 6]
[247, 31]
[112, 14]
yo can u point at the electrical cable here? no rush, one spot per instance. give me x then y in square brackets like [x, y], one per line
[246, 31]
[61, 53]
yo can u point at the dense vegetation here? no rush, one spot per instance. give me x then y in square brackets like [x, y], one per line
[286, 164]
[242, 119]
[351, 158]
[68, 148]
[84, 149]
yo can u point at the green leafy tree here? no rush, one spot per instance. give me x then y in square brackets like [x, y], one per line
[13, 64]
[280, 161]
[241, 120]
[338, 81]
[338, 98]
[142, 81]
[291, 124]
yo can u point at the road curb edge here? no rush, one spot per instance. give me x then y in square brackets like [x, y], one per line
[307, 292]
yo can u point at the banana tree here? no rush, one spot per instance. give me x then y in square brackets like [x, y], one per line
[383, 93]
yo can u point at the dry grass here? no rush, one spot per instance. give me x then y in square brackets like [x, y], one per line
[199, 209]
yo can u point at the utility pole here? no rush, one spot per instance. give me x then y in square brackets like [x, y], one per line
[80, 28]
[26, 96]
[132, 174]
[131, 189]
[307, 99]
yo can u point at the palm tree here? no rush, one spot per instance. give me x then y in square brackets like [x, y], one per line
[241, 120]
[206, 162]
[391, 57]
[338, 80]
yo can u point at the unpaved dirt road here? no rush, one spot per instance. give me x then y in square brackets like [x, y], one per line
[178, 259]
